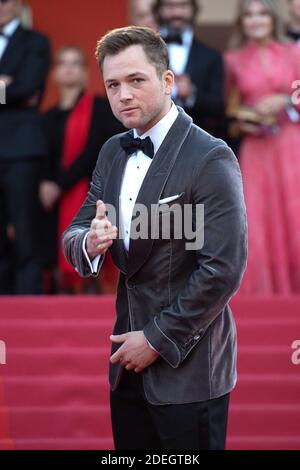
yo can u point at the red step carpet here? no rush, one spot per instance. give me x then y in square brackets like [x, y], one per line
[54, 391]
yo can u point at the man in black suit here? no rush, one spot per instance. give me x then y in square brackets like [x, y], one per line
[198, 69]
[173, 360]
[24, 63]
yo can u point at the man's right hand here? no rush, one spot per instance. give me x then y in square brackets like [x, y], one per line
[101, 234]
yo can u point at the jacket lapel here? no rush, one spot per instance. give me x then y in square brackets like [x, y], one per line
[154, 184]
[111, 196]
[12, 49]
[192, 59]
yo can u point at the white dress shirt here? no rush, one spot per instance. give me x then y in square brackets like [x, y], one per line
[179, 53]
[8, 30]
[137, 168]
[134, 174]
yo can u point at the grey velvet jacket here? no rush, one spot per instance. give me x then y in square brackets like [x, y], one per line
[178, 297]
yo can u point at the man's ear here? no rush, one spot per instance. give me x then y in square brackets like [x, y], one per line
[168, 79]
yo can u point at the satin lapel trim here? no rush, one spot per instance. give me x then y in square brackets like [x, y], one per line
[154, 183]
[111, 196]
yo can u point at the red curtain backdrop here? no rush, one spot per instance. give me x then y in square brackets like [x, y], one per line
[78, 22]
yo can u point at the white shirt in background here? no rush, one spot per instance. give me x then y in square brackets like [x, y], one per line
[8, 30]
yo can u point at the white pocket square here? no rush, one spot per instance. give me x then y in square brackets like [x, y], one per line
[169, 199]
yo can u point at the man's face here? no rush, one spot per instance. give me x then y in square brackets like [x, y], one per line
[9, 10]
[139, 98]
[176, 14]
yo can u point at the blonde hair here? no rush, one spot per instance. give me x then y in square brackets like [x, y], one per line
[238, 38]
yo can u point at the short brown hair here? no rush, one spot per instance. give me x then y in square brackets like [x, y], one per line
[120, 39]
[71, 47]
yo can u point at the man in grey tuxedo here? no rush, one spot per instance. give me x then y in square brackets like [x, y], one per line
[173, 360]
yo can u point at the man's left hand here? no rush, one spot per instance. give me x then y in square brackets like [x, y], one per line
[135, 352]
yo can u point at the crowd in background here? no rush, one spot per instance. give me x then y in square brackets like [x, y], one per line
[243, 96]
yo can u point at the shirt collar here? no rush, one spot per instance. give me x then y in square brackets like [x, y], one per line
[11, 27]
[158, 132]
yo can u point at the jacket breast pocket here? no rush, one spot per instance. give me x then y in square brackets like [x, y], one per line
[170, 203]
[170, 218]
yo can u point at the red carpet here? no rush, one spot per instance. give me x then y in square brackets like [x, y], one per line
[54, 392]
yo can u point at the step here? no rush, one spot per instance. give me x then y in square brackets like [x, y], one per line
[263, 442]
[271, 420]
[271, 359]
[56, 361]
[60, 422]
[56, 391]
[277, 333]
[7, 444]
[56, 334]
[101, 443]
[57, 307]
[265, 389]
[262, 307]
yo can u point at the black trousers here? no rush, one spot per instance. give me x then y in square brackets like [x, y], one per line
[139, 425]
[20, 266]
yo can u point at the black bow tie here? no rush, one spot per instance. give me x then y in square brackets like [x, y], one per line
[173, 38]
[131, 145]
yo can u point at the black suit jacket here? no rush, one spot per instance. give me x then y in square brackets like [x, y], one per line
[178, 297]
[27, 60]
[205, 68]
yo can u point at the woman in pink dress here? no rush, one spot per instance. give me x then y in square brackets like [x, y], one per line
[263, 70]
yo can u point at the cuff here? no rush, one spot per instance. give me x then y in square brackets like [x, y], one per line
[94, 265]
[163, 345]
[150, 346]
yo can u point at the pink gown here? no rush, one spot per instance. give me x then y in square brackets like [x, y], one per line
[270, 166]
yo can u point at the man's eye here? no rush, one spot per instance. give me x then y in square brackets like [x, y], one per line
[138, 80]
[112, 85]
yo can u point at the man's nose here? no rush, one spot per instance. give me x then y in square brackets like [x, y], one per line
[125, 93]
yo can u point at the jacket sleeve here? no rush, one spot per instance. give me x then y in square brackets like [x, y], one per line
[32, 76]
[177, 329]
[73, 237]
